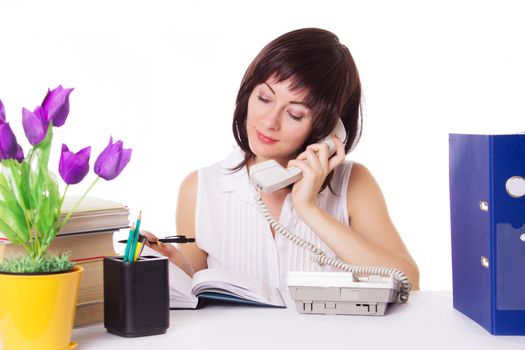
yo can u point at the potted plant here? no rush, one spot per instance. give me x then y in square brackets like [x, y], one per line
[38, 292]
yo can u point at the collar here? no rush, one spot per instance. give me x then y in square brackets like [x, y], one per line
[236, 182]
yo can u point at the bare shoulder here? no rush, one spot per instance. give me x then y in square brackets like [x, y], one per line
[363, 189]
[361, 179]
[186, 204]
[359, 169]
[188, 186]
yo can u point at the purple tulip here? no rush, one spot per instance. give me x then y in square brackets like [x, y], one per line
[73, 167]
[8, 144]
[56, 105]
[112, 160]
[9, 148]
[19, 154]
[35, 125]
[2, 113]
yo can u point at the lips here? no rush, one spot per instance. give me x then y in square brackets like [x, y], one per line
[265, 139]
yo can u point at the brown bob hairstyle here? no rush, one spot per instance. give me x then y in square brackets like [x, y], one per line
[315, 61]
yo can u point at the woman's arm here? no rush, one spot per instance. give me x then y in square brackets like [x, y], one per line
[189, 257]
[196, 257]
[371, 239]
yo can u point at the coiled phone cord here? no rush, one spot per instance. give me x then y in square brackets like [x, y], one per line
[319, 256]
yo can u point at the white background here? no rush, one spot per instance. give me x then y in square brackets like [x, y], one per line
[163, 76]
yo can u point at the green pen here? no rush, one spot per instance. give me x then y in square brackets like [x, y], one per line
[128, 243]
[131, 253]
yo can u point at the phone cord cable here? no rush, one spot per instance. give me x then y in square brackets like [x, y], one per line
[320, 257]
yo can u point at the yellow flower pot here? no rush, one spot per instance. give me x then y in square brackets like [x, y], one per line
[37, 311]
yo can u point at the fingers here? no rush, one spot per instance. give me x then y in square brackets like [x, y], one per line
[313, 159]
[152, 241]
[150, 237]
[321, 153]
[301, 164]
[339, 156]
[308, 163]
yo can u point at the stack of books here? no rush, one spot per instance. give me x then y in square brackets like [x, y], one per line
[88, 236]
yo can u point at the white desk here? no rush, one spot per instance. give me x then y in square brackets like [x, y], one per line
[428, 321]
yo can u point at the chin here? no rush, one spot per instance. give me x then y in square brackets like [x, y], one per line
[262, 152]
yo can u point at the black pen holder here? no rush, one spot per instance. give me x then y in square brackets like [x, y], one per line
[136, 296]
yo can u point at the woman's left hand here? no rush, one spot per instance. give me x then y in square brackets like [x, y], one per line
[316, 165]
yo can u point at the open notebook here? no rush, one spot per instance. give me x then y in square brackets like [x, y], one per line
[217, 284]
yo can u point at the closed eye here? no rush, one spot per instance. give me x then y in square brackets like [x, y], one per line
[262, 99]
[294, 117]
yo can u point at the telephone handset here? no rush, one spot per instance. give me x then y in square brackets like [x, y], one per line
[270, 176]
[312, 292]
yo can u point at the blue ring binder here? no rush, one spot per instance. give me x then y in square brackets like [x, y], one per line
[487, 223]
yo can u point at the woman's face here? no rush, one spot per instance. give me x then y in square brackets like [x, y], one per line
[278, 122]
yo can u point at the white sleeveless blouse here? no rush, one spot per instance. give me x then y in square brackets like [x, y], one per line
[232, 230]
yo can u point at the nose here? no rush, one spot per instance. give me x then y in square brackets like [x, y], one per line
[271, 118]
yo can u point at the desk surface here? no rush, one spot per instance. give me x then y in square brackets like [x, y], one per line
[427, 321]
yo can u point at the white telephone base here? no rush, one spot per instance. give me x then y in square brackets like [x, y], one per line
[340, 293]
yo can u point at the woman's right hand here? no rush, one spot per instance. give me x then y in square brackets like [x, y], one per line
[166, 249]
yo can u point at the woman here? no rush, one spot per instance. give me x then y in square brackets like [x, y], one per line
[291, 96]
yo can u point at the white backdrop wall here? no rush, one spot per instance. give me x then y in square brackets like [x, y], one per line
[163, 76]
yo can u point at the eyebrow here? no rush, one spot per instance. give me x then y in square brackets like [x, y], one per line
[291, 102]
